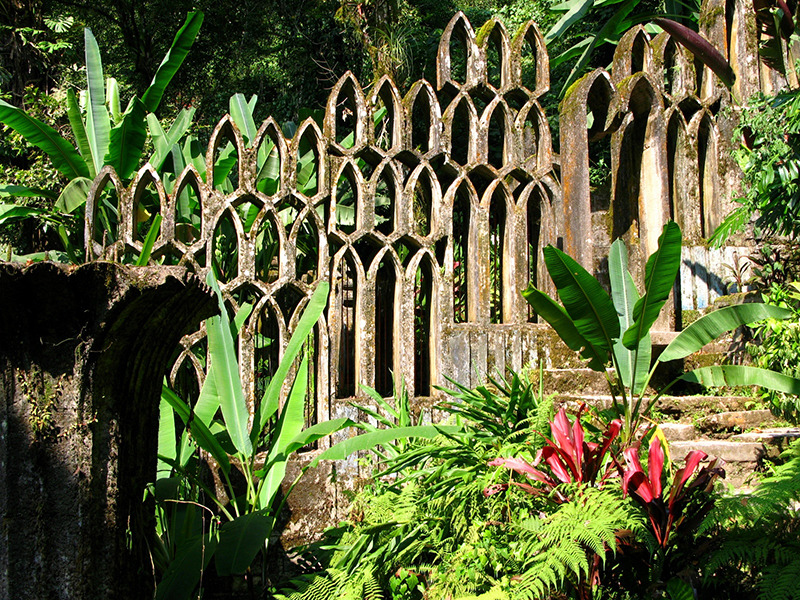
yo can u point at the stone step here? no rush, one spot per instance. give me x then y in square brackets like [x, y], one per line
[733, 420]
[676, 407]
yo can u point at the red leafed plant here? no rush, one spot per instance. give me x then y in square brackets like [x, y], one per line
[667, 514]
[568, 455]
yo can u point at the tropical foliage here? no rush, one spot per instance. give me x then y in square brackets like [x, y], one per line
[613, 331]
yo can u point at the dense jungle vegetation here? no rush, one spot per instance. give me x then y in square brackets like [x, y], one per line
[507, 499]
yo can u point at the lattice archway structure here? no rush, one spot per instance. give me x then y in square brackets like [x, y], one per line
[427, 211]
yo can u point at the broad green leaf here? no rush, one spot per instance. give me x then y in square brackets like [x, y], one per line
[185, 570]
[288, 427]
[633, 367]
[606, 33]
[63, 156]
[166, 438]
[269, 403]
[225, 162]
[367, 441]
[12, 212]
[23, 191]
[98, 125]
[79, 131]
[240, 317]
[709, 327]
[74, 195]
[204, 438]
[127, 141]
[240, 541]
[576, 10]
[226, 374]
[586, 302]
[243, 117]
[553, 313]
[207, 403]
[164, 142]
[149, 241]
[317, 432]
[739, 375]
[660, 273]
[194, 155]
[173, 60]
[112, 97]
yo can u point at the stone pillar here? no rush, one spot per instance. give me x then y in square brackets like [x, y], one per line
[83, 352]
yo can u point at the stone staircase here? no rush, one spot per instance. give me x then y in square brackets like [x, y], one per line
[726, 427]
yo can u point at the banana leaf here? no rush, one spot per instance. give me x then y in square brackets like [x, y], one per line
[23, 191]
[270, 402]
[240, 541]
[174, 58]
[79, 131]
[73, 195]
[242, 114]
[586, 302]
[634, 365]
[225, 372]
[739, 375]
[709, 327]
[61, 153]
[127, 140]
[98, 123]
[553, 313]
[660, 273]
[185, 570]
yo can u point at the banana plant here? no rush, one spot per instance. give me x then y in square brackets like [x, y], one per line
[613, 331]
[258, 447]
[104, 134]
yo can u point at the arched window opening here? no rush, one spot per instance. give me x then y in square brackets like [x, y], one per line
[460, 133]
[307, 170]
[496, 138]
[347, 292]
[458, 55]
[423, 299]
[461, 261]
[225, 249]
[534, 226]
[385, 194]
[421, 118]
[494, 59]
[384, 326]
[266, 351]
[346, 202]
[497, 234]
[346, 114]
[422, 203]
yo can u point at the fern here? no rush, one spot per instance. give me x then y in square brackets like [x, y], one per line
[333, 584]
[562, 545]
[759, 532]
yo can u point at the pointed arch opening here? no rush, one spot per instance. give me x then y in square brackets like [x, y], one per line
[533, 221]
[421, 122]
[225, 248]
[385, 293]
[423, 338]
[497, 236]
[385, 201]
[460, 129]
[347, 298]
[462, 261]
[497, 141]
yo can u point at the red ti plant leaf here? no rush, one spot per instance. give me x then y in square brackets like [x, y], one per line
[568, 456]
[700, 47]
[646, 488]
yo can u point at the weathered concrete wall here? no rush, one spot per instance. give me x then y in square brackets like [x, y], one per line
[82, 355]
